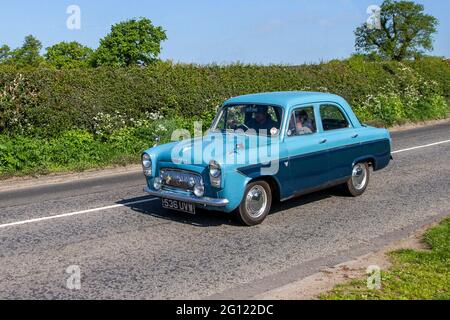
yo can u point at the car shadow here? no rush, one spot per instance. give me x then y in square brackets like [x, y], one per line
[308, 198]
[206, 218]
[202, 218]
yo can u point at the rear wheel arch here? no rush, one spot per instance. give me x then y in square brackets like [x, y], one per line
[370, 160]
[357, 184]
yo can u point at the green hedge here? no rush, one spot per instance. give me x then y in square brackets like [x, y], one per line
[48, 102]
[58, 120]
[79, 149]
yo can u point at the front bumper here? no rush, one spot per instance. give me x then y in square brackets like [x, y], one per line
[204, 201]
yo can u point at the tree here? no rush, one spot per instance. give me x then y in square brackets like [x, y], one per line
[405, 33]
[28, 54]
[5, 53]
[68, 55]
[133, 42]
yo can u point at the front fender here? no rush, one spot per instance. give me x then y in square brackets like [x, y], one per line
[233, 189]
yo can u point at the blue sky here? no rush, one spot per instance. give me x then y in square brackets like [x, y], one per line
[208, 31]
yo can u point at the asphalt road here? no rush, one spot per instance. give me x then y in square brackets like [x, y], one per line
[126, 246]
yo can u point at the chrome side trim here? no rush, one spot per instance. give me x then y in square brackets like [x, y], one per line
[188, 198]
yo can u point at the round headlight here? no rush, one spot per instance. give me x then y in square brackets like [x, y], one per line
[214, 169]
[146, 161]
[157, 183]
[199, 190]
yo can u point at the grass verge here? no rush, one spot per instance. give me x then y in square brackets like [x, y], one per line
[414, 275]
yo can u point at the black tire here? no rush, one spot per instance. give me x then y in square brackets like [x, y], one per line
[244, 215]
[354, 189]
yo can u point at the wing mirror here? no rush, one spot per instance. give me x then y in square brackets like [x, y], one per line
[157, 140]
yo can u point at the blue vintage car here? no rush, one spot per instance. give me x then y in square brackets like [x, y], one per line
[263, 148]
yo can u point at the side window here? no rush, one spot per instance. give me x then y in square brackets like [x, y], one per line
[302, 122]
[333, 118]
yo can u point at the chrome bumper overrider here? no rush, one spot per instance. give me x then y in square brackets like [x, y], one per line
[187, 198]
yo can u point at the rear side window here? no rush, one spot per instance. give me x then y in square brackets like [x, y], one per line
[333, 118]
[302, 122]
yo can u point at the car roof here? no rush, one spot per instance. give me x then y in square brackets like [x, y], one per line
[285, 99]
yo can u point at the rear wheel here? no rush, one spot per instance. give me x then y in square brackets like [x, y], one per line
[358, 182]
[256, 203]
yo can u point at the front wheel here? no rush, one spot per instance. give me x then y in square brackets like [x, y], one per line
[359, 180]
[256, 203]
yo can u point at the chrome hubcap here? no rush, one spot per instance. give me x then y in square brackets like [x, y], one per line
[359, 176]
[256, 201]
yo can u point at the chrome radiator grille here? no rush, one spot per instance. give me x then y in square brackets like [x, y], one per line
[180, 179]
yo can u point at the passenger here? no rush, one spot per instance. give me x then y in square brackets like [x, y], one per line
[304, 123]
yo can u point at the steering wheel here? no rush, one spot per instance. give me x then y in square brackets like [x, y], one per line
[243, 127]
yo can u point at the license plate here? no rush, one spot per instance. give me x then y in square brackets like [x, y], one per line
[178, 206]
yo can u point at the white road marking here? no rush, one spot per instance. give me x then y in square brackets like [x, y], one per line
[18, 223]
[421, 147]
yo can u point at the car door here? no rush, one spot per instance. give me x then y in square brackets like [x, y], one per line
[342, 140]
[307, 149]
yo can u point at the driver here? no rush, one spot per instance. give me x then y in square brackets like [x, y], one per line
[262, 120]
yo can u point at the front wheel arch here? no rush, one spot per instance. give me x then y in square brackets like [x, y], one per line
[274, 186]
[244, 211]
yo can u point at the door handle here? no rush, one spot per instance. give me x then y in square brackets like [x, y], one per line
[323, 141]
[355, 136]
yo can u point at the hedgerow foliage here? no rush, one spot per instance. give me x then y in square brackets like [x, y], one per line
[46, 102]
[94, 111]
